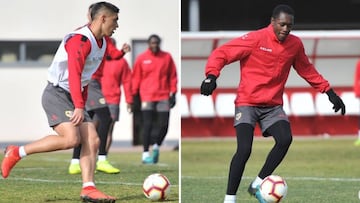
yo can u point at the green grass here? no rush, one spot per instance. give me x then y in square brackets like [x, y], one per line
[316, 170]
[44, 178]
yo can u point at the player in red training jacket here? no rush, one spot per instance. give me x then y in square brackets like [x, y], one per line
[357, 94]
[265, 56]
[79, 55]
[155, 79]
[116, 73]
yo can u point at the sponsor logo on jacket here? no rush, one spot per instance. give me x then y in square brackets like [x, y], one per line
[266, 49]
[148, 61]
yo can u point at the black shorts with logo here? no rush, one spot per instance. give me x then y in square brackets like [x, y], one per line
[265, 116]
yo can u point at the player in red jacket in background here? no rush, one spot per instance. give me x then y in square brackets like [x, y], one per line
[116, 73]
[155, 79]
[266, 56]
[357, 94]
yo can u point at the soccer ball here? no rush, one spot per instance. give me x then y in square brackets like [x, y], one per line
[156, 187]
[273, 188]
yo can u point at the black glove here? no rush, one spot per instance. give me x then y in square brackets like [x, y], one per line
[208, 85]
[172, 100]
[336, 100]
[136, 105]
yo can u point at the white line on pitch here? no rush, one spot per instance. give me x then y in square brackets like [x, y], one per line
[76, 181]
[287, 178]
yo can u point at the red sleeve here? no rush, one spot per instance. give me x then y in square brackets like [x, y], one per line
[78, 48]
[126, 82]
[357, 80]
[136, 77]
[173, 77]
[112, 51]
[307, 71]
[229, 52]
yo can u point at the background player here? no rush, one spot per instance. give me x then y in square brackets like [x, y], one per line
[116, 73]
[77, 58]
[357, 94]
[265, 56]
[155, 79]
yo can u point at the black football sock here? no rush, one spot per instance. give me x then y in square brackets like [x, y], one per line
[76, 152]
[282, 134]
[104, 118]
[163, 118]
[244, 135]
[147, 127]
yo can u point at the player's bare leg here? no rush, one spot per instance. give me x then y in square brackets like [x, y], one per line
[68, 137]
[89, 147]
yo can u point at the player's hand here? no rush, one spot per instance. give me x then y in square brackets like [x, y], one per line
[208, 85]
[336, 101]
[172, 100]
[126, 48]
[77, 117]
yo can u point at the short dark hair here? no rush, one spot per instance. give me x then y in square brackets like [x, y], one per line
[282, 8]
[96, 7]
[154, 36]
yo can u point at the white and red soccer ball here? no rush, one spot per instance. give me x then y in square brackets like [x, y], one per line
[273, 189]
[156, 187]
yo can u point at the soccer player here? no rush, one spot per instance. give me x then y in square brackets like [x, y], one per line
[99, 112]
[79, 55]
[265, 56]
[116, 73]
[155, 79]
[357, 94]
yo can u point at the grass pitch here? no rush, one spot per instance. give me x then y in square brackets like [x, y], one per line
[44, 178]
[316, 170]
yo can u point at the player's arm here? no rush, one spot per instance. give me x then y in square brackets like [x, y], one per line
[173, 83]
[307, 71]
[173, 77]
[113, 53]
[78, 48]
[231, 51]
[357, 80]
[136, 77]
[126, 82]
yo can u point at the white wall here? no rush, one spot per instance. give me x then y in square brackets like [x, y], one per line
[22, 117]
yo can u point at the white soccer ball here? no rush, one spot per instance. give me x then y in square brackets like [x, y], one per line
[273, 188]
[156, 187]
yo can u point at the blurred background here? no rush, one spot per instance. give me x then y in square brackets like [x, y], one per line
[330, 31]
[30, 35]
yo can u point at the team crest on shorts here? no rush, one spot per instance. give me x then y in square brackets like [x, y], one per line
[238, 116]
[102, 101]
[144, 104]
[68, 113]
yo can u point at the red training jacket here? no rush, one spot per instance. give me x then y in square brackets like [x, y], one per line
[154, 76]
[265, 63]
[112, 52]
[115, 74]
[357, 80]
